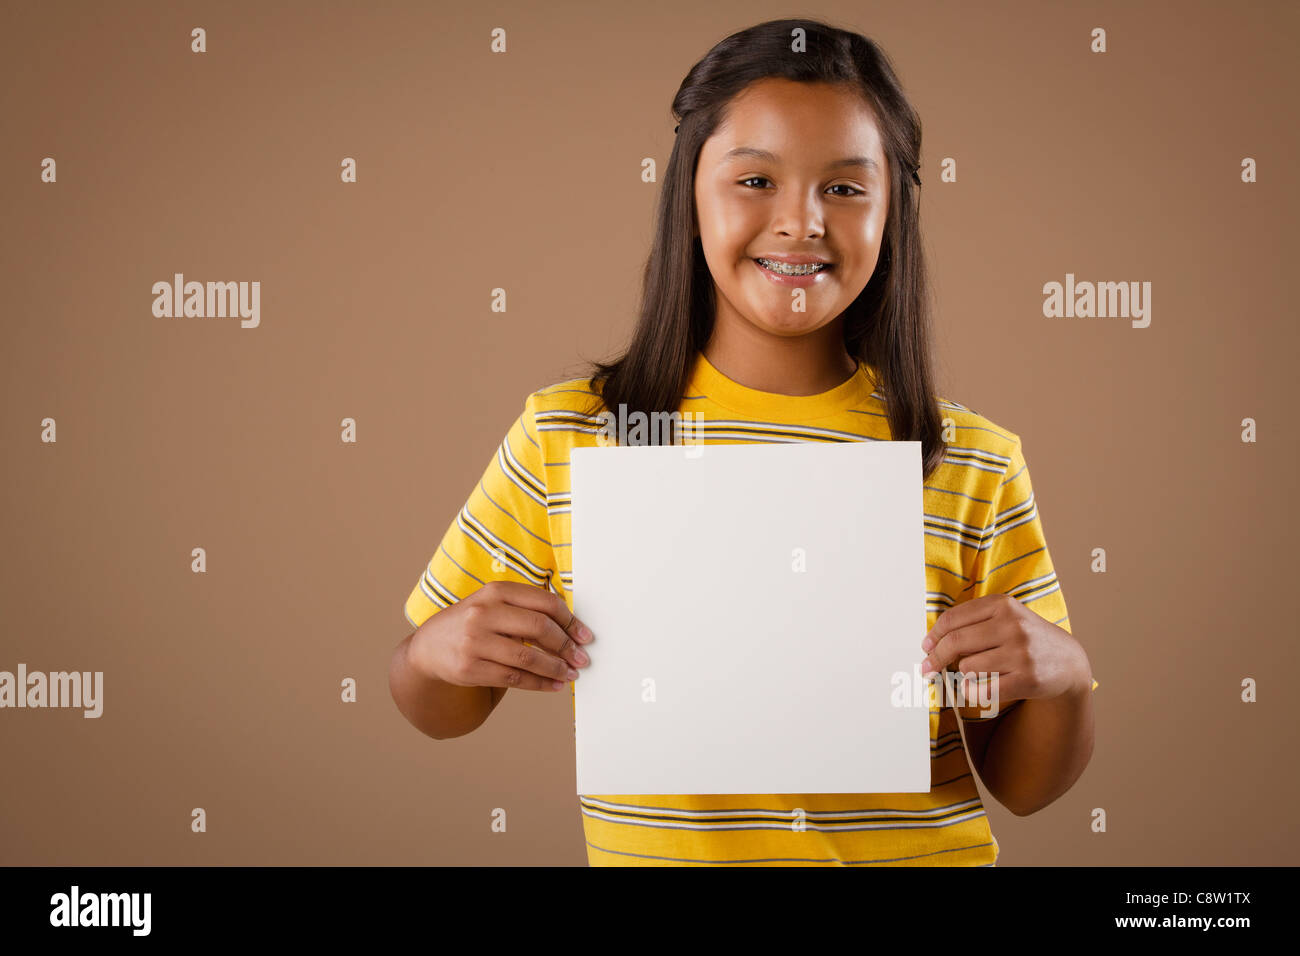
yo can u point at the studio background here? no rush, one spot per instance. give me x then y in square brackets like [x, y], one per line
[478, 170]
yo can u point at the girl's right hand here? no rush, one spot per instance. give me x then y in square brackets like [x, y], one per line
[478, 641]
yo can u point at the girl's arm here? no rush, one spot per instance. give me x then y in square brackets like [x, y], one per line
[1030, 755]
[1035, 750]
[434, 707]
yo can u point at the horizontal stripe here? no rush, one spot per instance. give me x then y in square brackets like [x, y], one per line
[725, 819]
[795, 859]
[845, 826]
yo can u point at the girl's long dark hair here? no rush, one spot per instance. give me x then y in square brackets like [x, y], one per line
[887, 326]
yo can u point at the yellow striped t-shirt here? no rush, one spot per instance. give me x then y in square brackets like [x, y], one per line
[982, 536]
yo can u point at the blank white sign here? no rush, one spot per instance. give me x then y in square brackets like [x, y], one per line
[755, 610]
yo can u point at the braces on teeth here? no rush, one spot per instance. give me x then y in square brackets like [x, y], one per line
[791, 270]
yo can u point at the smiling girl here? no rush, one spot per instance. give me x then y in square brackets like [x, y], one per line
[785, 300]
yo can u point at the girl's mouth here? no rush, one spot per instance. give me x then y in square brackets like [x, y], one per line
[797, 276]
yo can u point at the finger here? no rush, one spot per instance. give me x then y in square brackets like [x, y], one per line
[997, 689]
[548, 602]
[958, 643]
[990, 661]
[528, 625]
[962, 615]
[510, 652]
[487, 673]
[980, 671]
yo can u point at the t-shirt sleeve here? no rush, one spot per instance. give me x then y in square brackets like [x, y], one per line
[1013, 557]
[500, 534]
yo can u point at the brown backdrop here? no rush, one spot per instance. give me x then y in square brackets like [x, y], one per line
[522, 171]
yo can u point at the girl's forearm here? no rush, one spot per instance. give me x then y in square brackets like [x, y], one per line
[1039, 750]
[435, 708]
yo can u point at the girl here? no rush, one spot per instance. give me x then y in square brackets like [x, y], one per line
[785, 299]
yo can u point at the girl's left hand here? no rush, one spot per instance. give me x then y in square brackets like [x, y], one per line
[998, 635]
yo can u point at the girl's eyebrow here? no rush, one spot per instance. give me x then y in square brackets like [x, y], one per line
[753, 152]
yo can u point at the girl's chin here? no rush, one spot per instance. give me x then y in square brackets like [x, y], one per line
[790, 323]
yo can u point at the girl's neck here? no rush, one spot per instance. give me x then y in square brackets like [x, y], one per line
[797, 365]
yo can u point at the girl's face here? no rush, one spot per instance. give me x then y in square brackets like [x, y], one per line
[796, 170]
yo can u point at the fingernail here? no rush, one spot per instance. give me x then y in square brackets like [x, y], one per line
[927, 644]
[581, 658]
[584, 634]
[573, 675]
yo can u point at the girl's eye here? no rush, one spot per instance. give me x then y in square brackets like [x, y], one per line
[852, 191]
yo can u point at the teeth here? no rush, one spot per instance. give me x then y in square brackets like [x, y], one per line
[791, 270]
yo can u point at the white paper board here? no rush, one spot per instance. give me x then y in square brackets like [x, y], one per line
[758, 612]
